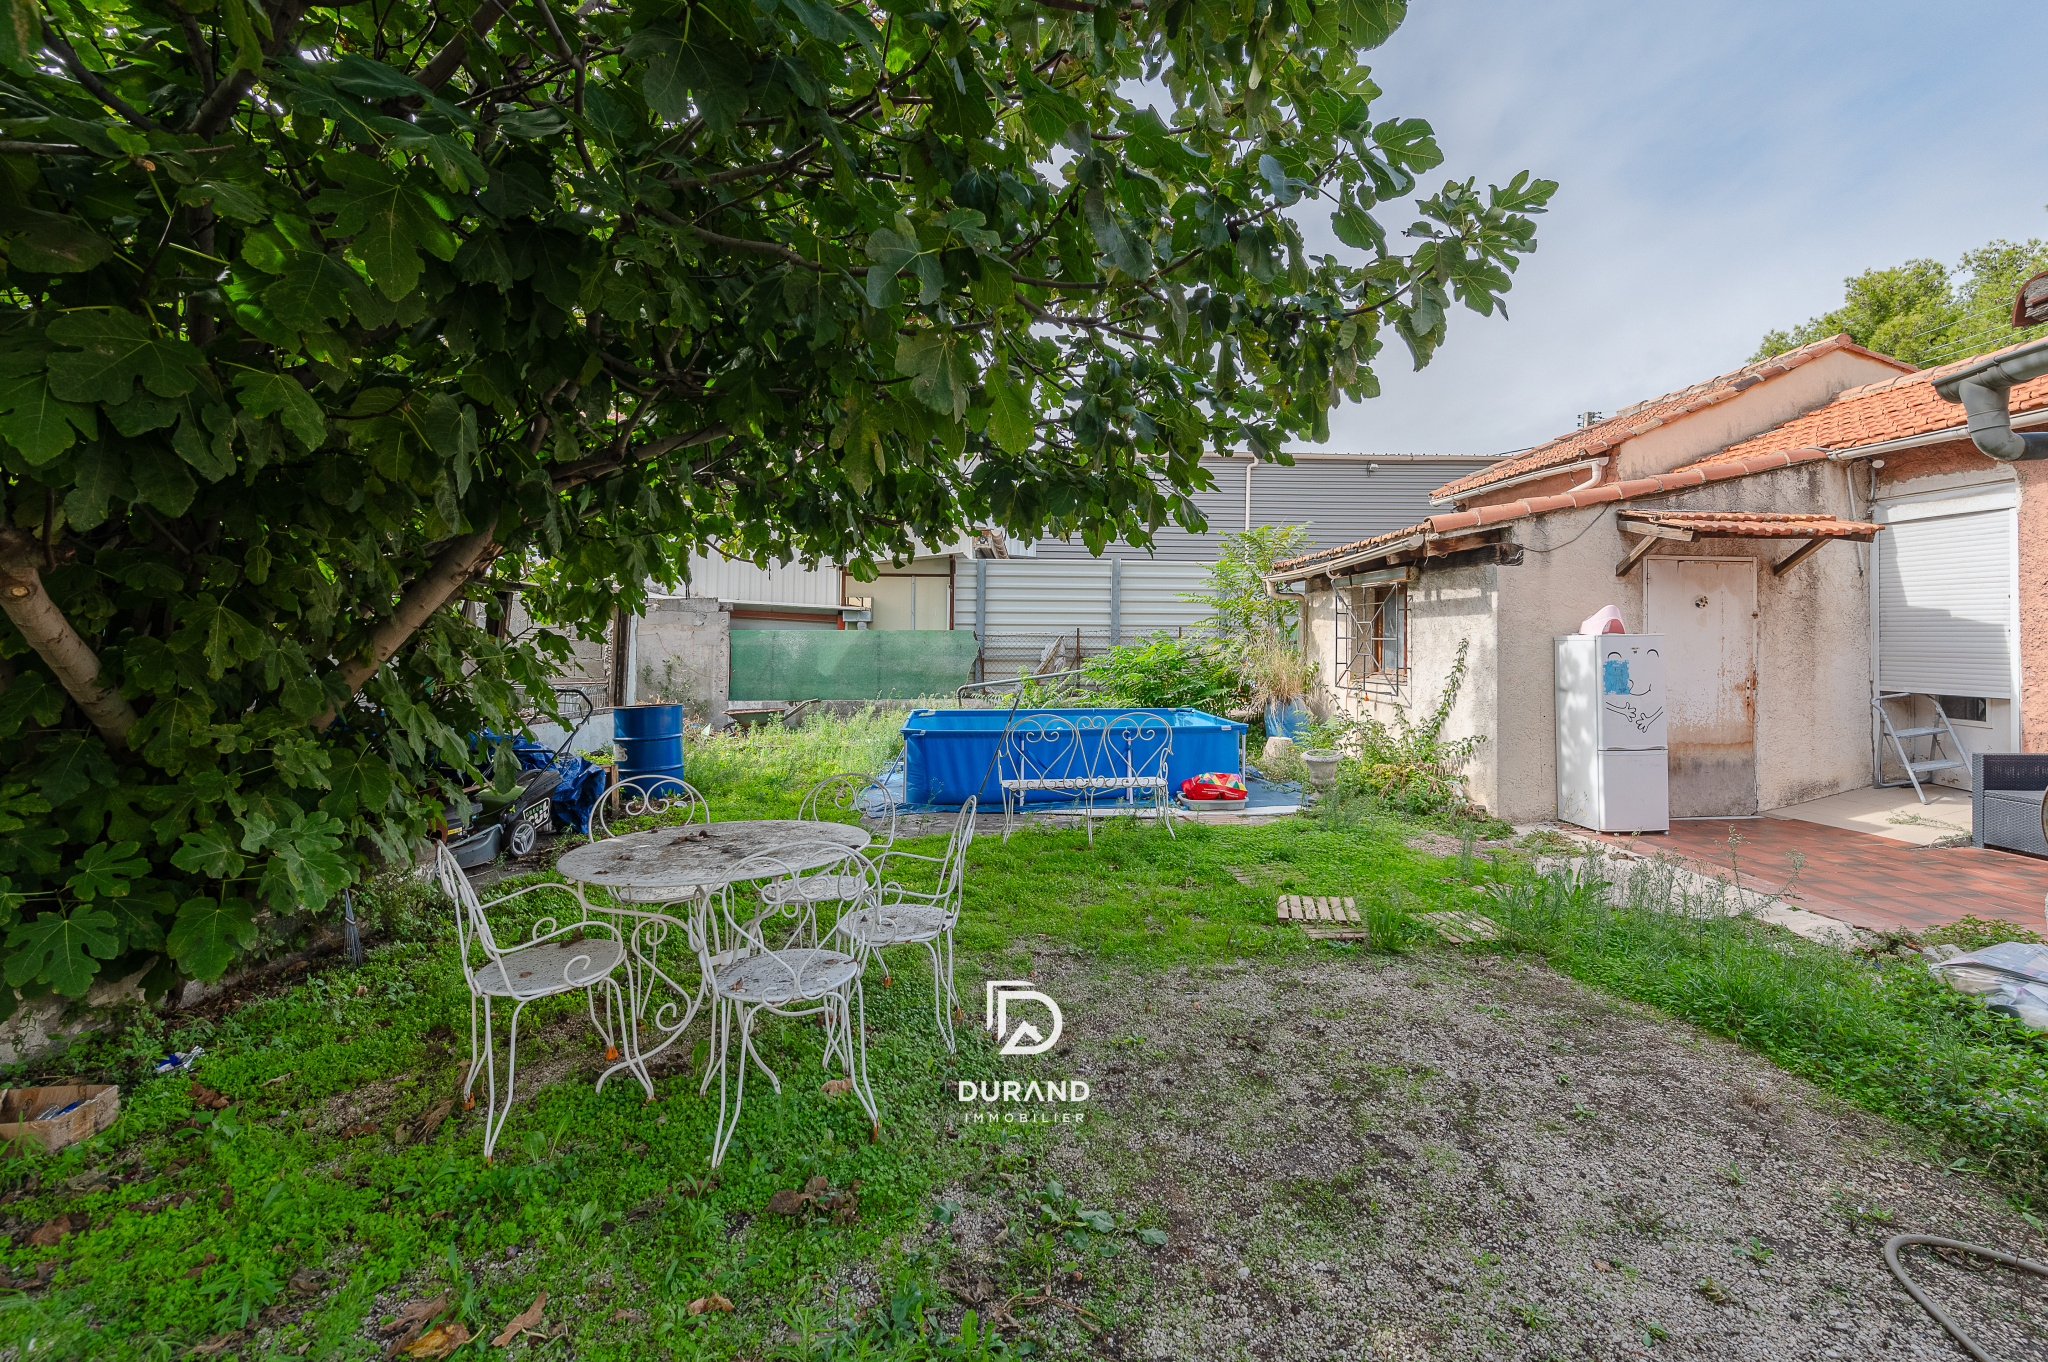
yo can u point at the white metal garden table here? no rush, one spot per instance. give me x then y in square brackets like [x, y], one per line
[642, 873]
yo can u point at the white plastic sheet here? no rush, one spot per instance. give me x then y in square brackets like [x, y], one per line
[2011, 977]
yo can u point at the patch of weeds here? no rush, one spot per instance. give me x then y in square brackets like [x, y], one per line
[1639, 1214]
[1390, 923]
[900, 1327]
[1534, 1316]
[1336, 1203]
[1862, 1214]
[1090, 1229]
[1550, 842]
[1732, 1175]
[1756, 1250]
[1653, 1332]
[1884, 1033]
[1713, 1291]
[1972, 933]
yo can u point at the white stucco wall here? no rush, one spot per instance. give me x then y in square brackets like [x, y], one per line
[1813, 641]
[1444, 608]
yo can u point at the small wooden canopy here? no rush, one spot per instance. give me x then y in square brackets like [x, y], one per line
[1686, 526]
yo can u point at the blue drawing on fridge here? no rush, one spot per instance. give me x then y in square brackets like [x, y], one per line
[1614, 677]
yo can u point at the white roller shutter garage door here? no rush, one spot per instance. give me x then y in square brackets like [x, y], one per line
[1945, 595]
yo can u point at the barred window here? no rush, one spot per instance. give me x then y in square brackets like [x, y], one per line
[1372, 637]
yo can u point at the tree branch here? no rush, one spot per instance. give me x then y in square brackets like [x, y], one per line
[90, 78]
[43, 625]
[218, 108]
[459, 560]
[576, 474]
[445, 63]
[774, 249]
[781, 167]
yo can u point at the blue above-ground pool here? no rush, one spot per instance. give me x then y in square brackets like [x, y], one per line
[949, 754]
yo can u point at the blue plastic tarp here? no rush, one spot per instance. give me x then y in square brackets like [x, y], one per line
[583, 780]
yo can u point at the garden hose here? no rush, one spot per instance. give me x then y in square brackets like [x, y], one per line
[1891, 1260]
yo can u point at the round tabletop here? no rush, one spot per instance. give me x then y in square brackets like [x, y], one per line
[703, 855]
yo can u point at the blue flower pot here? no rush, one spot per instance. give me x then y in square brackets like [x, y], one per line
[1286, 720]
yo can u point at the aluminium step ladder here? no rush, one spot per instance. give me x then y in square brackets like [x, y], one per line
[1939, 758]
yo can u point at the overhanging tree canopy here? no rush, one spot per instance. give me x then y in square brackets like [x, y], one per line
[318, 316]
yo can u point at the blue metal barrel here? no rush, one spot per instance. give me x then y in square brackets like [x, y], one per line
[650, 739]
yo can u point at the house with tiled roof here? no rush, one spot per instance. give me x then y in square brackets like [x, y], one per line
[1808, 532]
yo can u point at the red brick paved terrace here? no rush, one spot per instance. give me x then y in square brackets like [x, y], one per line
[1856, 877]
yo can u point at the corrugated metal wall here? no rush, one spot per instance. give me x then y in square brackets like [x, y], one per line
[1027, 596]
[743, 583]
[1340, 497]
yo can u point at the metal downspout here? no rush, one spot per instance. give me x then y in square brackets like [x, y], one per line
[1983, 388]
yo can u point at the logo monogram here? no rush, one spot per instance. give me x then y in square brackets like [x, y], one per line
[1025, 1039]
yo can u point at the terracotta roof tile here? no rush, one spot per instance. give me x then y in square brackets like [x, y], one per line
[1630, 422]
[1894, 409]
[1758, 524]
[1459, 522]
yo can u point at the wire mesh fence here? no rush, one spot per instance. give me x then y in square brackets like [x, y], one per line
[1005, 656]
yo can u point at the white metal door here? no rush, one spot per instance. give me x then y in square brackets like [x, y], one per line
[1706, 610]
[1945, 596]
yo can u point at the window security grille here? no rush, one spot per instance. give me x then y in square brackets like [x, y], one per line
[1372, 639]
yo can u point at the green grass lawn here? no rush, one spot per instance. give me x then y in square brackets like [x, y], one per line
[335, 1189]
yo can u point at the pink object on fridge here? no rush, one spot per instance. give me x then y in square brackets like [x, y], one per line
[1607, 620]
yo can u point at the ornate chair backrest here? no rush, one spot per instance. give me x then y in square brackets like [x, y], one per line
[953, 873]
[477, 945]
[472, 927]
[1135, 744]
[647, 797]
[862, 796]
[1041, 747]
[741, 926]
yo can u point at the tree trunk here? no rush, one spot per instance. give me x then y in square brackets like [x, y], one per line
[450, 571]
[69, 657]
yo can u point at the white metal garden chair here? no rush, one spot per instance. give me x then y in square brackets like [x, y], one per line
[864, 797]
[769, 957]
[556, 958]
[896, 916]
[652, 798]
[834, 794]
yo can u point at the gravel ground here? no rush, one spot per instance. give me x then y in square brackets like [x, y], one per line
[1444, 1155]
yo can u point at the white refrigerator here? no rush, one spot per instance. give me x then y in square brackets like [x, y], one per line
[1612, 769]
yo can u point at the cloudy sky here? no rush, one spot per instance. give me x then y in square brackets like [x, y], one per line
[1724, 164]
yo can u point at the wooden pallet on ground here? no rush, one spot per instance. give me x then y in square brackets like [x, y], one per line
[1460, 927]
[1341, 914]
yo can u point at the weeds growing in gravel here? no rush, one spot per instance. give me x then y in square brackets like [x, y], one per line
[1884, 1034]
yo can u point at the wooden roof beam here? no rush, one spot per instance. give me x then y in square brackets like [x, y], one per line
[1800, 555]
[1651, 534]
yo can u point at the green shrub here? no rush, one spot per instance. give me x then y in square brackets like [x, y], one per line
[1409, 765]
[1166, 672]
[1240, 609]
